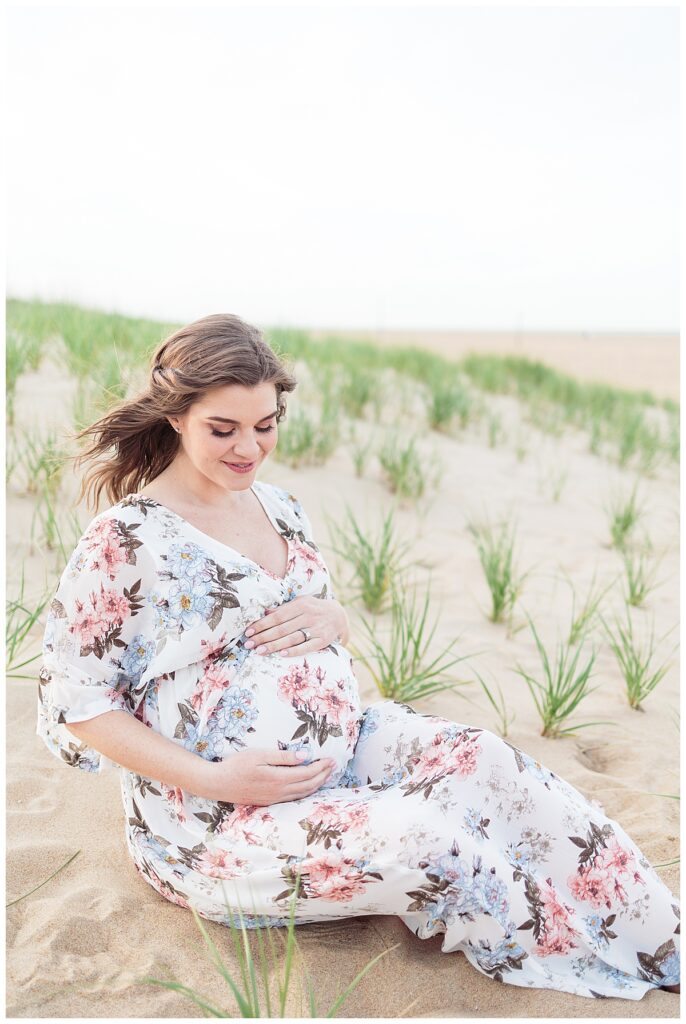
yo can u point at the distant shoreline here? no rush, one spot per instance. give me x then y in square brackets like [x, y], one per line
[638, 361]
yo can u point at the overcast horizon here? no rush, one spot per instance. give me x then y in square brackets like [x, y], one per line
[451, 168]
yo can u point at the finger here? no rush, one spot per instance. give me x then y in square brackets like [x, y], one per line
[306, 788]
[301, 646]
[291, 773]
[271, 630]
[294, 642]
[285, 757]
[308, 772]
[305, 772]
[270, 620]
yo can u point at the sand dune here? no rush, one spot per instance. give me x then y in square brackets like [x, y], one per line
[636, 361]
[77, 946]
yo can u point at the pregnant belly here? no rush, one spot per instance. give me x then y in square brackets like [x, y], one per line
[309, 702]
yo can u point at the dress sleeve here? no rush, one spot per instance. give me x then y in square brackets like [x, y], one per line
[99, 638]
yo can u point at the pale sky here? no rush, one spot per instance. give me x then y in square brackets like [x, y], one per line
[409, 167]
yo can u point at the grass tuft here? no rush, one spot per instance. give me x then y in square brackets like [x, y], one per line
[563, 687]
[403, 671]
[634, 660]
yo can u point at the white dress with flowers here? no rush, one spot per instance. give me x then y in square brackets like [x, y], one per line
[447, 826]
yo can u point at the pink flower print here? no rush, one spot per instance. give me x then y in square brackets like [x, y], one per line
[103, 545]
[322, 870]
[558, 936]
[591, 885]
[615, 858]
[331, 703]
[296, 686]
[332, 880]
[174, 795]
[327, 813]
[555, 942]
[340, 890]
[113, 606]
[341, 816]
[212, 683]
[466, 759]
[357, 815]
[309, 557]
[556, 912]
[352, 728]
[211, 647]
[620, 892]
[86, 626]
[431, 761]
[220, 864]
[245, 814]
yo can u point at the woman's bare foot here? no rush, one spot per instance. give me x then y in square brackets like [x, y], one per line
[672, 988]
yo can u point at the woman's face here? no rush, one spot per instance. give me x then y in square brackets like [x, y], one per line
[211, 443]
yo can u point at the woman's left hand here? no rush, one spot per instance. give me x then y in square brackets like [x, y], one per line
[279, 630]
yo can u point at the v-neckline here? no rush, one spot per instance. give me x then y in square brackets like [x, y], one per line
[227, 547]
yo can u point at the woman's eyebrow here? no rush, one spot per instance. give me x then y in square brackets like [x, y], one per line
[223, 419]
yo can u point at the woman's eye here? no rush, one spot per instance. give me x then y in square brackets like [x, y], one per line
[228, 433]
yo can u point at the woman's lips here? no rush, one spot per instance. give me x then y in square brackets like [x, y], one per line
[238, 468]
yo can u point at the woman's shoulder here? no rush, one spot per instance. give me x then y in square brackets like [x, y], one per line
[130, 509]
[114, 535]
[281, 497]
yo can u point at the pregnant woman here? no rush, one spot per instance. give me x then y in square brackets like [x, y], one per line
[194, 640]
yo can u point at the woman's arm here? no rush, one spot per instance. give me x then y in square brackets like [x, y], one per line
[130, 743]
[250, 776]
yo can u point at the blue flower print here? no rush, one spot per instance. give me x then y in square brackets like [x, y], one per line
[519, 855]
[235, 653]
[236, 712]
[491, 959]
[394, 776]
[161, 853]
[137, 656]
[594, 923]
[254, 921]
[209, 743]
[472, 823]
[536, 769]
[186, 560]
[349, 779]
[671, 969]
[370, 723]
[189, 601]
[620, 978]
[452, 868]
[492, 896]
[162, 618]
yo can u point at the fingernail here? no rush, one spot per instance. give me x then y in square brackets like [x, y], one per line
[249, 643]
[249, 632]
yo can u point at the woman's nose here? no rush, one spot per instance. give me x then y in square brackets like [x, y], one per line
[247, 451]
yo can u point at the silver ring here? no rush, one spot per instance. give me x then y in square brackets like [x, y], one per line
[305, 634]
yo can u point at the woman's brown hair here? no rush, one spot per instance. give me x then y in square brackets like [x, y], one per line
[134, 440]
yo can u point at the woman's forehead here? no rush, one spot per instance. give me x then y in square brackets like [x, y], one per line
[235, 401]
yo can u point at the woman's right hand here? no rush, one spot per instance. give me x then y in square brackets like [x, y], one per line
[264, 776]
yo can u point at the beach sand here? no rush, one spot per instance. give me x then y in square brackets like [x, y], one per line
[80, 944]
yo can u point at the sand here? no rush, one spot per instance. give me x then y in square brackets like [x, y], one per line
[79, 945]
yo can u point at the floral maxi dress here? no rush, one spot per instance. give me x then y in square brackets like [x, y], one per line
[450, 827]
